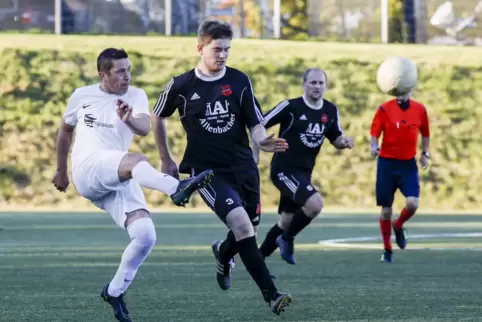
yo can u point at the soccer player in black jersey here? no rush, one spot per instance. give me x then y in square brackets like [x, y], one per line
[216, 104]
[304, 122]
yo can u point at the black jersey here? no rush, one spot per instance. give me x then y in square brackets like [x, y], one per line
[304, 128]
[215, 113]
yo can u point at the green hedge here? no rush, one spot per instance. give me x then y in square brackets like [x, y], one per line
[36, 83]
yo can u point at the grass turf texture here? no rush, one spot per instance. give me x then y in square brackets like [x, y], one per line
[39, 72]
[54, 265]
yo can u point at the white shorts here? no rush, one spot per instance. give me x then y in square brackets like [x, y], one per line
[97, 179]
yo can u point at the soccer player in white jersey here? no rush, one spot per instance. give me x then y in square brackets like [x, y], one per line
[107, 115]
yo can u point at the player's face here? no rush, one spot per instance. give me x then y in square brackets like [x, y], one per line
[315, 85]
[215, 54]
[118, 79]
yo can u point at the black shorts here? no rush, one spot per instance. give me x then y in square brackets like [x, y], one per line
[396, 174]
[295, 188]
[230, 190]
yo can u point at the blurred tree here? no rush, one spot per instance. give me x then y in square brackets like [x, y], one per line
[252, 15]
[396, 22]
[314, 17]
[294, 19]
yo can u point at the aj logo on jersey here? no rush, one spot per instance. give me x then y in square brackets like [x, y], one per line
[218, 119]
[314, 135]
[217, 109]
[91, 121]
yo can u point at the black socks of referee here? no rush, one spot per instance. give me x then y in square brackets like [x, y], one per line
[298, 223]
[254, 263]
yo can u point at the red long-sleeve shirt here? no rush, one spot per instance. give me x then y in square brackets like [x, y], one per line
[400, 128]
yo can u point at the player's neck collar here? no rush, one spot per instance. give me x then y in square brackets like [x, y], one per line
[207, 78]
[319, 106]
[102, 91]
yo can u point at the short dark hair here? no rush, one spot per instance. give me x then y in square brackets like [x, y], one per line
[309, 70]
[214, 29]
[106, 58]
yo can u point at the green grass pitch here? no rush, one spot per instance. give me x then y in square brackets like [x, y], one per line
[53, 266]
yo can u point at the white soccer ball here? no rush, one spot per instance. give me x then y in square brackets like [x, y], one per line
[397, 76]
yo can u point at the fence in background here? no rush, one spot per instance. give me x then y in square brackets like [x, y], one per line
[454, 22]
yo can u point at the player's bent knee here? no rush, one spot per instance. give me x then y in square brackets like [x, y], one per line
[132, 159]
[243, 230]
[313, 205]
[135, 215]
[128, 162]
[285, 219]
[143, 233]
[238, 221]
[412, 204]
[386, 213]
[147, 239]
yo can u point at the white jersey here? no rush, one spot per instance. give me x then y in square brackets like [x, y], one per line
[98, 127]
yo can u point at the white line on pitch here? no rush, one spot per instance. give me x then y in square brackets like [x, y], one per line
[346, 242]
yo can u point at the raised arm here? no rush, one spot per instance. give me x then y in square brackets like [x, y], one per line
[136, 117]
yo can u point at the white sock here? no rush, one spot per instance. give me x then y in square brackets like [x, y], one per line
[143, 238]
[150, 178]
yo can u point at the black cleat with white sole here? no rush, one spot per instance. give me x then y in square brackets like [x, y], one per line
[279, 302]
[118, 305]
[400, 237]
[187, 187]
[223, 271]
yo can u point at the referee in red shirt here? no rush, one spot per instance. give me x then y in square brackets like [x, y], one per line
[400, 120]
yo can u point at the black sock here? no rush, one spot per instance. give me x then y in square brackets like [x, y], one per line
[269, 244]
[228, 248]
[298, 223]
[256, 267]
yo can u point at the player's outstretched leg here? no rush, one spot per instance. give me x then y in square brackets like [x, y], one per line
[143, 237]
[301, 219]
[407, 213]
[386, 231]
[187, 187]
[135, 165]
[238, 221]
